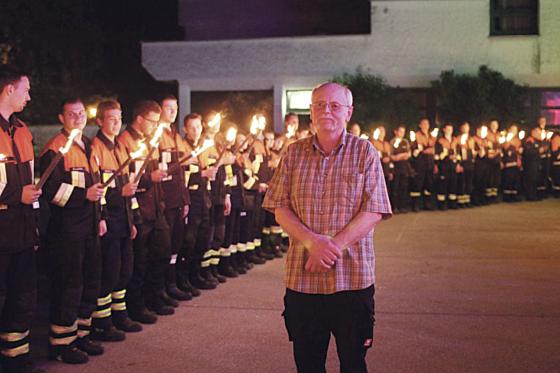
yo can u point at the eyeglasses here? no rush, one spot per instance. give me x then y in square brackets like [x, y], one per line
[333, 106]
[150, 120]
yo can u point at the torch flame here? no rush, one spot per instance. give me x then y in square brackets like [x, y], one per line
[549, 135]
[208, 143]
[75, 132]
[231, 134]
[412, 136]
[543, 135]
[2, 157]
[376, 134]
[138, 153]
[502, 139]
[364, 136]
[483, 132]
[262, 122]
[521, 135]
[157, 134]
[290, 131]
[215, 122]
[509, 137]
[464, 138]
[397, 142]
[254, 125]
[435, 132]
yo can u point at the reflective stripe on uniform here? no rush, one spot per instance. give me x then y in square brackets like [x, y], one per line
[16, 351]
[14, 336]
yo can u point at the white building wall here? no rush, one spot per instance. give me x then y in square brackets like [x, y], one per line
[411, 42]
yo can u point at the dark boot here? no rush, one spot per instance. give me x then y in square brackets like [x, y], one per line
[89, 347]
[143, 316]
[200, 282]
[110, 334]
[226, 269]
[124, 323]
[167, 300]
[69, 354]
[186, 286]
[174, 292]
[214, 271]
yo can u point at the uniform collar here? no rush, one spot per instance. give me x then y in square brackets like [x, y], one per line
[108, 143]
[11, 122]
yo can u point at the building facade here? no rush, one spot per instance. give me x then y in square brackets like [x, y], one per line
[409, 43]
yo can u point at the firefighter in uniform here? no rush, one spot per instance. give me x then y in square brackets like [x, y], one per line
[384, 149]
[400, 154]
[532, 151]
[176, 197]
[545, 155]
[511, 163]
[555, 165]
[465, 169]
[494, 161]
[110, 319]
[18, 225]
[480, 181]
[151, 244]
[446, 163]
[197, 229]
[73, 190]
[423, 160]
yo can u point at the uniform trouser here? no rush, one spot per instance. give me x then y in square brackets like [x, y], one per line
[159, 255]
[400, 191]
[311, 318]
[543, 177]
[217, 232]
[555, 177]
[195, 244]
[480, 181]
[245, 230]
[494, 176]
[229, 245]
[530, 179]
[76, 280]
[465, 186]
[18, 297]
[422, 183]
[134, 295]
[446, 183]
[176, 224]
[510, 183]
[117, 262]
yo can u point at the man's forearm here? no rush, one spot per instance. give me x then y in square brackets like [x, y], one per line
[293, 225]
[359, 226]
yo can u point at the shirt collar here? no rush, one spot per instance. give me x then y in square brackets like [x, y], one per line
[343, 140]
[135, 134]
[108, 143]
[11, 122]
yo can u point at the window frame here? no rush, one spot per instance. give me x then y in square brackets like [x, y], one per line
[496, 13]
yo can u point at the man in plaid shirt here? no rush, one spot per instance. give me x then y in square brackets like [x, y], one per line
[328, 194]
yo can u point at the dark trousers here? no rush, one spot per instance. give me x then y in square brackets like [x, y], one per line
[530, 178]
[18, 297]
[465, 185]
[134, 296]
[311, 318]
[510, 183]
[76, 280]
[117, 262]
[195, 244]
[423, 181]
[400, 192]
[176, 224]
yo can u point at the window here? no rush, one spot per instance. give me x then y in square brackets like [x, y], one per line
[514, 17]
[299, 101]
[550, 107]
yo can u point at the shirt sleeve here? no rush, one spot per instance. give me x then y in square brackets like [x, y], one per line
[278, 194]
[375, 197]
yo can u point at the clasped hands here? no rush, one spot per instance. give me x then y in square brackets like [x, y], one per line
[324, 251]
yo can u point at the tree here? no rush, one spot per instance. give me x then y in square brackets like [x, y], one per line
[478, 98]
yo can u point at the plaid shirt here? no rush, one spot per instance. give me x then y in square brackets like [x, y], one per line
[326, 192]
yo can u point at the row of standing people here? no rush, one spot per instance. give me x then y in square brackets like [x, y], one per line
[135, 224]
[432, 169]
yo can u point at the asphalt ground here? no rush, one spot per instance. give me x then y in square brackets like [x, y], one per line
[474, 290]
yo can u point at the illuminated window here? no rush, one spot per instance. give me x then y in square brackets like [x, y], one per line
[550, 107]
[514, 17]
[299, 101]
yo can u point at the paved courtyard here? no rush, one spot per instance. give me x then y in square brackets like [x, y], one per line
[474, 290]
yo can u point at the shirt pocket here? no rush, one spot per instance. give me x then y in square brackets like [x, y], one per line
[352, 189]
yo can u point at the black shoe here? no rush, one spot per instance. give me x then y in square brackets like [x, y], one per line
[110, 334]
[167, 300]
[127, 325]
[161, 309]
[201, 283]
[187, 287]
[214, 271]
[255, 259]
[143, 316]
[174, 292]
[277, 252]
[206, 275]
[89, 347]
[227, 271]
[20, 364]
[69, 354]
